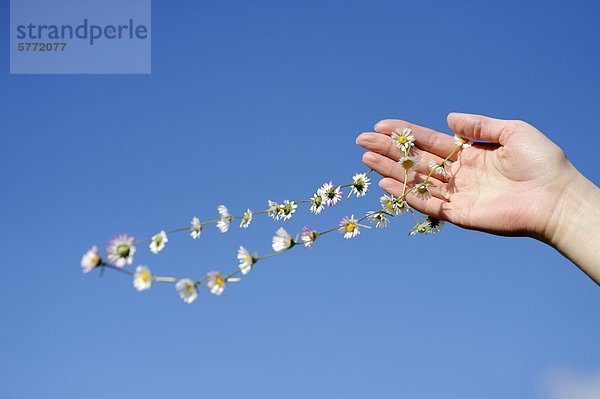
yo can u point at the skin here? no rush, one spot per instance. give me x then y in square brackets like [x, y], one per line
[513, 181]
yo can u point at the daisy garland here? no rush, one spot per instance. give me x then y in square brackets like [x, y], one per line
[122, 248]
[327, 195]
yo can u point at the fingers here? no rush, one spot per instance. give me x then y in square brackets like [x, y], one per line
[426, 139]
[433, 206]
[388, 168]
[479, 127]
[384, 145]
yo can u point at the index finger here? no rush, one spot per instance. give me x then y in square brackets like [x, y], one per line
[426, 139]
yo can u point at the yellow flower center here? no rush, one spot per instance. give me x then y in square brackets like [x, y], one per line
[422, 189]
[350, 227]
[145, 277]
[220, 281]
[94, 259]
[247, 259]
[407, 164]
[402, 139]
[189, 288]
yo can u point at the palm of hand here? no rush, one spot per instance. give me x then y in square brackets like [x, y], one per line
[503, 189]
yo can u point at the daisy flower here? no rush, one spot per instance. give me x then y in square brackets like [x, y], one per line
[275, 210]
[430, 225]
[246, 219]
[393, 205]
[246, 260]
[187, 290]
[360, 184]
[158, 242]
[403, 139]
[434, 225]
[331, 195]
[316, 204]
[379, 219]
[282, 240]
[90, 259]
[120, 250]
[462, 142]
[349, 227]
[438, 167]
[288, 209]
[408, 162]
[216, 282]
[142, 278]
[196, 228]
[419, 228]
[309, 236]
[226, 218]
[423, 190]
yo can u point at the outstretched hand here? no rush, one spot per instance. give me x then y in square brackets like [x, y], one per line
[512, 181]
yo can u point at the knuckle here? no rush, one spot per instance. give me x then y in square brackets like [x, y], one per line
[518, 124]
[388, 147]
[389, 169]
[478, 128]
[429, 141]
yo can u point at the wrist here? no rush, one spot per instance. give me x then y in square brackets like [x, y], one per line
[573, 225]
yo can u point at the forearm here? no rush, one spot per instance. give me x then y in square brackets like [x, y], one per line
[576, 226]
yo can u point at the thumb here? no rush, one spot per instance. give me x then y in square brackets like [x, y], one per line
[479, 127]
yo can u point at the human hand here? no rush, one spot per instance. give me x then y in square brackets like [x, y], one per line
[509, 185]
[512, 181]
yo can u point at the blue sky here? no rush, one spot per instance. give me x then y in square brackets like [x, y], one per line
[263, 100]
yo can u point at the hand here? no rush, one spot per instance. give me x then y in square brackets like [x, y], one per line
[508, 185]
[513, 181]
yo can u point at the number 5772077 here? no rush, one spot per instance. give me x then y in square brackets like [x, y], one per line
[41, 47]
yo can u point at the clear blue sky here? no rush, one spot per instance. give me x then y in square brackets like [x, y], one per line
[249, 101]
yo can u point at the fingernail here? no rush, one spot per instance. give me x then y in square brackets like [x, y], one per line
[365, 139]
[359, 138]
